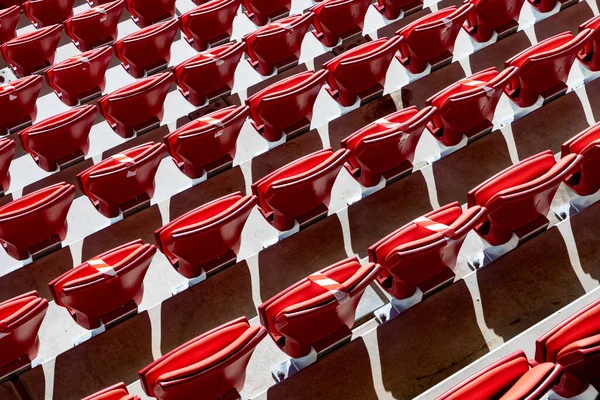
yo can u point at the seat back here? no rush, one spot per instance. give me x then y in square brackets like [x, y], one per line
[7, 152]
[584, 180]
[48, 12]
[115, 392]
[261, 10]
[9, 18]
[208, 21]
[334, 18]
[33, 50]
[489, 15]
[17, 101]
[147, 12]
[96, 25]
[589, 55]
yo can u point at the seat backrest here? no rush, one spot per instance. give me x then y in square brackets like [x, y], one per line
[147, 12]
[17, 100]
[535, 383]
[340, 16]
[31, 50]
[9, 18]
[210, 20]
[7, 152]
[115, 392]
[48, 12]
[95, 25]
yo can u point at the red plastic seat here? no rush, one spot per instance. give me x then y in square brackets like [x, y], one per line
[206, 140]
[34, 219]
[115, 392]
[468, 105]
[277, 42]
[336, 18]
[147, 48]
[489, 15]
[137, 104]
[210, 73]
[79, 76]
[589, 55]
[261, 11]
[17, 102]
[316, 307]
[209, 22]
[509, 378]
[48, 12]
[58, 137]
[423, 250]
[544, 66]
[7, 152]
[430, 37]
[9, 18]
[360, 69]
[574, 344]
[543, 6]
[121, 178]
[584, 180]
[391, 9]
[95, 27]
[20, 321]
[519, 195]
[213, 364]
[32, 51]
[385, 144]
[298, 187]
[285, 103]
[147, 12]
[115, 276]
[205, 234]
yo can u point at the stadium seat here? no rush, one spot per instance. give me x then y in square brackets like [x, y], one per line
[207, 236]
[211, 22]
[7, 152]
[32, 51]
[386, 145]
[147, 12]
[9, 18]
[360, 69]
[299, 187]
[20, 320]
[335, 19]
[391, 9]
[210, 74]
[589, 56]
[262, 11]
[60, 138]
[80, 77]
[430, 39]
[213, 364]
[285, 105]
[148, 49]
[520, 195]
[17, 102]
[317, 307]
[277, 43]
[95, 27]
[544, 67]
[115, 392]
[467, 107]
[543, 6]
[584, 180]
[489, 16]
[574, 344]
[35, 220]
[48, 12]
[122, 178]
[206, 142]
[137, 106]
[115, 276]
[423, 252]
[510, 378]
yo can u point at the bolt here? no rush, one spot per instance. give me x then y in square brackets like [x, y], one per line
[383, 317]
[563, 215]
[280, 375]
[476, 263]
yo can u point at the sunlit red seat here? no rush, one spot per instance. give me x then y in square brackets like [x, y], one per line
[510, 378]
[122, 178]
[115, 392]
[35, 219]
[60, 137]
[136, 105]
[7, 152]
[261, 11]
[585, 180]
[589, 55]
[489, 16]
[104, 284]
[9, 18]
[574, 344]
[317, 307]
[80, 76]
[360, 69]
[206, 235]
[96, 26]
[210, 73]
[520, 195]
[430, 38]
[391, 9]
[20, 321]
[147, 48]
[17, 102]
[336, 18]
[213, 364]
[48, 12]
[32, 51]
[278, 42]
[298, 187]
[544, 67]
[285, 104]
[468, 106]
[209, 22]
[147, 12]
[386, 144]
[206, 141]
[424, 251]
